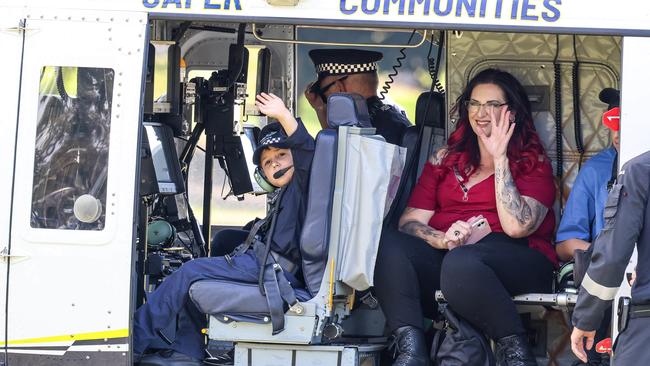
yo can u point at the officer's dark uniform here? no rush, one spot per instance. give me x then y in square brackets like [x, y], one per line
[172, 297]
[389, 122]
[627, 222]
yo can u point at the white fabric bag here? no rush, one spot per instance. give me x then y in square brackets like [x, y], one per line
[372, 174]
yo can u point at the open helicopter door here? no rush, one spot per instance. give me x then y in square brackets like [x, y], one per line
[72, 210]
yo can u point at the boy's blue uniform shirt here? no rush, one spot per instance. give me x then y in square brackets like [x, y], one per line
[291, 215]
[583, 214]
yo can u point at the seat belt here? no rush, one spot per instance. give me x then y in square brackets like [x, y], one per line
[272, 282]
[252, 234]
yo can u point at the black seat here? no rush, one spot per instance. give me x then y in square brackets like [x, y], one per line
[427, 136]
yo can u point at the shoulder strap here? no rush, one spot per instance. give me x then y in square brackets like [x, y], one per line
[614, 175]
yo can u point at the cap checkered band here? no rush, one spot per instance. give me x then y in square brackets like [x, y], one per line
[334, 68]
[271, 138]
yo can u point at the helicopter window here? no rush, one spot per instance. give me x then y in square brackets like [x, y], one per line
[71, 153]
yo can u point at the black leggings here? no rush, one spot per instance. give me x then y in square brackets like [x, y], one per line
[477, 280]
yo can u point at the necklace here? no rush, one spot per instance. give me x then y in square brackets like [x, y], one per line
[464, 188]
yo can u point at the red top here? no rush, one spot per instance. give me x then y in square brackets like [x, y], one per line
[445, 196]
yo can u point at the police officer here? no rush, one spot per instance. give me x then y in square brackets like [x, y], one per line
[353, 71]
[627, 222]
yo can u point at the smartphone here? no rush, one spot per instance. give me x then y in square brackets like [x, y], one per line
[480, 229]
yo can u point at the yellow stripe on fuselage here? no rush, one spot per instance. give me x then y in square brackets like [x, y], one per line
[119, 333]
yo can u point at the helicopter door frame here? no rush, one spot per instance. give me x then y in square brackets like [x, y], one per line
[69, 280]
[12, 38]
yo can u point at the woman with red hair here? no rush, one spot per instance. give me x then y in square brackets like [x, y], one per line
[494, 166]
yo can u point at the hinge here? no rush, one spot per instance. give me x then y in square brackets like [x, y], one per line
[22, 27]
[6, 257]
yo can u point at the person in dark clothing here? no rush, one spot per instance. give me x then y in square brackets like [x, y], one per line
[284, 156]
[582, 218]
[494, 165]
[353, 71]
[345, 71]
[627, 220]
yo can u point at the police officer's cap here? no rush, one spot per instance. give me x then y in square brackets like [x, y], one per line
[611, 97]
[344, 61]
[272, 135]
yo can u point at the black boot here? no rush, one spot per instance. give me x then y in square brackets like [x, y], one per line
[410, 347]
[514, 350]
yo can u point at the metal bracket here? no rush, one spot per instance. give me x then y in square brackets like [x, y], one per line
[22, 27]
[6, 257]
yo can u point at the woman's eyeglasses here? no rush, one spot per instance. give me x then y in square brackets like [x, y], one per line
[316, 88]
[474, 106]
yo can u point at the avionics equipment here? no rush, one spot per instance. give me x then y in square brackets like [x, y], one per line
[160, 169]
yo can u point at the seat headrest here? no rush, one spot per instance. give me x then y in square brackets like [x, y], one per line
[347, 109]
[435, 114]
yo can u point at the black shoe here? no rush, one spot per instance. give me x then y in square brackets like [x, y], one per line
[224, 359]
[514, 350]
[602, 361]
[410, 347]
[169, 358]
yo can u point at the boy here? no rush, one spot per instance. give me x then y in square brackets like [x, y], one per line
[284, 156]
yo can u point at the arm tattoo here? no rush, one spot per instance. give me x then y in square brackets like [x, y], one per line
[436, 158]
[422, 231]
[528, 212]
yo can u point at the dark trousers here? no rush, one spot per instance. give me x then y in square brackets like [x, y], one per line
[226, 240]
[171, 298]
[631, 346]
[477, 280]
